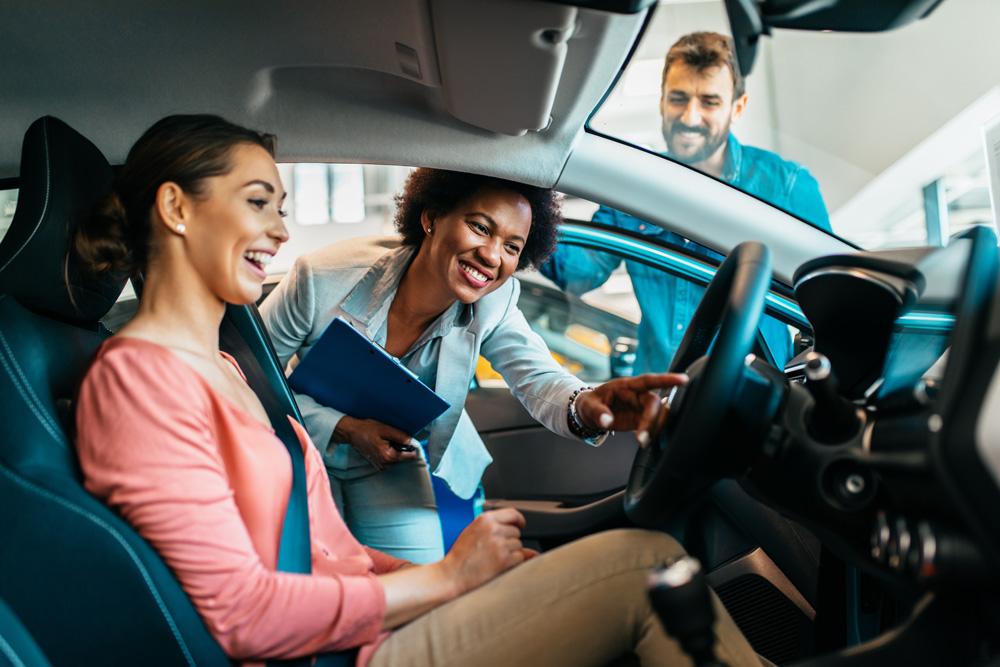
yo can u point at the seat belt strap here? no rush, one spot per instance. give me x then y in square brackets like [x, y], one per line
[294, 547]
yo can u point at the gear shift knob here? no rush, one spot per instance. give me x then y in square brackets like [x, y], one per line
[833, 418]
[680, 597]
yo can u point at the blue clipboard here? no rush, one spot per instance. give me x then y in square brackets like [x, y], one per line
[347, 372]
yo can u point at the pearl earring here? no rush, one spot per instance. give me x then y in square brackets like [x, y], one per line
[429, 230]
[181, 227]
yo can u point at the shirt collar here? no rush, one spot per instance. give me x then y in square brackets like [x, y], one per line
[369, 301]
[733, 162]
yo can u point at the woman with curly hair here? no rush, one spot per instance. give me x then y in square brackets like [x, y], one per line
[437, 298]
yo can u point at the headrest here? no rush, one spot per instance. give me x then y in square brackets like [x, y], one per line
[63, 176]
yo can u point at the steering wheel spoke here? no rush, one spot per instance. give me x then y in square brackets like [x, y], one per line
[718, 419]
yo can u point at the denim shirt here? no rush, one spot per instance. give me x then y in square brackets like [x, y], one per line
[668, 302]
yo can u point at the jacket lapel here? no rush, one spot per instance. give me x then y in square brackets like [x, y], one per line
[366, 306]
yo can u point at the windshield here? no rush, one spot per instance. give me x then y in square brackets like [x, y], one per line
[879, 138]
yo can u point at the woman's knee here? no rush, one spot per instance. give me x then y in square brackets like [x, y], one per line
[648, 546]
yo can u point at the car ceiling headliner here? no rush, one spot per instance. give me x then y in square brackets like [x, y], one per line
[329, 78]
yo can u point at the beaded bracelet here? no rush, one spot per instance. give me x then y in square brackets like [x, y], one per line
[576, 425]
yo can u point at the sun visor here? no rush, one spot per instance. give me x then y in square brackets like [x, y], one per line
[500, 60]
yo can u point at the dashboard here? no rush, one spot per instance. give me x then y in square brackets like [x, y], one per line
[890, 448]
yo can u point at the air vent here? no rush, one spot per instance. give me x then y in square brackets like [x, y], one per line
[773, 625]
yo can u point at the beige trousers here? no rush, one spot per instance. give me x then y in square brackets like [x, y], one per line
[582, 604]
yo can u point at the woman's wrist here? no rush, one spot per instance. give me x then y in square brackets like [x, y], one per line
[413, 591]
[576, 424]
[453, 583]
[343, 430]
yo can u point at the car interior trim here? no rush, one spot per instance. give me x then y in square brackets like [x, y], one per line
[322, 97]
[616, 6]
[702, 273]
[759, 563]
[531, 75]
[549, 519]
[16, 375]
[45, 202]
[854, 273]
[670, 260]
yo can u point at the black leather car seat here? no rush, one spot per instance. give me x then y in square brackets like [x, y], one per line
[84, 584]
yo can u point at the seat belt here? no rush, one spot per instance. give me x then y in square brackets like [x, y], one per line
[294, 547]
[294, 550]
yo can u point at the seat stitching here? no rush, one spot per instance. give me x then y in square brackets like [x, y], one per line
[27, 385]
[45, 204]
[45, 493]
[28, 396]
[8, 651]
[44, 417]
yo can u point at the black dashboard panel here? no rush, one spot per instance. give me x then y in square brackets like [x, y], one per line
[853, 302]
[910, 492]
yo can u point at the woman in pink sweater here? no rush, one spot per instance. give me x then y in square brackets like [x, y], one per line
[171, 436]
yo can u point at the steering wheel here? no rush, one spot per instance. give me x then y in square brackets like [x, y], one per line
[684, 459]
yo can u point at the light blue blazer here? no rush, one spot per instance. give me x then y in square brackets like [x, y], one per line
[357, 280]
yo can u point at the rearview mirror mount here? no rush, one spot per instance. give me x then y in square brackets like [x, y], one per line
[749, 20]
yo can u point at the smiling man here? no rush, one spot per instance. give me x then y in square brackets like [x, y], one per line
[703, 94]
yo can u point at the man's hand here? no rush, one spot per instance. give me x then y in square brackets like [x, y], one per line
[378, 443]
[628, 404]
[487, 547]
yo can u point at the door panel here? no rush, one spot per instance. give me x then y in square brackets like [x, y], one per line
[532, 463]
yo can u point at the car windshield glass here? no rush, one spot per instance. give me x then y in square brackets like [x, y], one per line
[880, 138]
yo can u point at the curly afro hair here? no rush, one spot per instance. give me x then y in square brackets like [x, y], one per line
[440, 191]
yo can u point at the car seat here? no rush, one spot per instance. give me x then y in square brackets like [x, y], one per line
[17, 648]
[85, 585]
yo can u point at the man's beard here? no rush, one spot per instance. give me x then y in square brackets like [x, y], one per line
[712, 142]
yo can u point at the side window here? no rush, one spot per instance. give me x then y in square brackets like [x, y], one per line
[605, 313]
[327, 203]
[656, 305]
[592, 336]
[8, 202]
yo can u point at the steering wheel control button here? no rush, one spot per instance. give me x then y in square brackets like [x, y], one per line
[833, 419]
[923, 557]
[900, 542]
[934, 423]
[880, 538]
